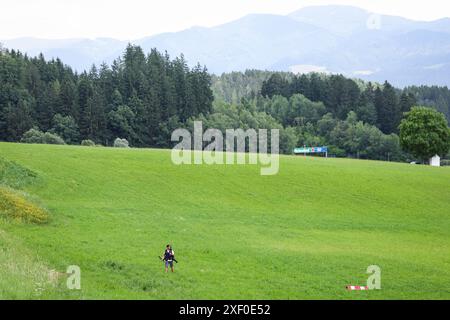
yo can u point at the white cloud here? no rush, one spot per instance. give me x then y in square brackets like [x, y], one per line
[435, 66]
[363, 72]
[133, 19]
[307, 68]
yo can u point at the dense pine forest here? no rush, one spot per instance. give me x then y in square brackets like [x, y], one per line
[143, 98]
[140, 98]
[354, 118]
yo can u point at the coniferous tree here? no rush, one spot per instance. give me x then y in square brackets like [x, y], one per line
[388, 109]
[407, 101]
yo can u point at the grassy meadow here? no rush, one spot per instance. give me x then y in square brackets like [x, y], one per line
[304, 233]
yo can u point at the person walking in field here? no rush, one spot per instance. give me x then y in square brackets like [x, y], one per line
[168, 258]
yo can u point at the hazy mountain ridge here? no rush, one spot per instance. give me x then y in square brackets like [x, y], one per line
[339, 39]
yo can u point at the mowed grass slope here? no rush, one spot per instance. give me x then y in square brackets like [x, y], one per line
[302, 234]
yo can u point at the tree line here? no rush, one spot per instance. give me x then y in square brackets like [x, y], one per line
[378, 105]
[139, 97]
[352, 117]
[143, 98]
[336, 91]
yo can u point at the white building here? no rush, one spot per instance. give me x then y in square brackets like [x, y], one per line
[435, 161]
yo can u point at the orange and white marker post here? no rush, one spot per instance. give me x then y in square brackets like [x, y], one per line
[351, 288]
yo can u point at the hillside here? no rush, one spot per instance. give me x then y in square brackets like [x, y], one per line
[304, 233]
[357, 44]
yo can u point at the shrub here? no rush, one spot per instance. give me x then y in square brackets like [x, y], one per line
[66, 127]
[50, 138]
[121, 143]
[17, 206]
[88, 143]
[35, 136]
[32, 136]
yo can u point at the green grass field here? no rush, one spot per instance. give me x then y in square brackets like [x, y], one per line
[302, 234]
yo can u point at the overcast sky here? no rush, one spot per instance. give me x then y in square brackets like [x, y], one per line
[133, 19]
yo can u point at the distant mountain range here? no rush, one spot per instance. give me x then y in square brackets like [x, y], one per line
[337, 39]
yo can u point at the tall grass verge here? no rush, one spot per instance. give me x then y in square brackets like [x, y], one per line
[19, 207]
[16, 176]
